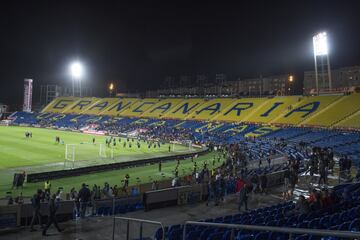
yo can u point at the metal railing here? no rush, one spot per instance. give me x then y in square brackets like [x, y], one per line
[286, 230]
[141, 221]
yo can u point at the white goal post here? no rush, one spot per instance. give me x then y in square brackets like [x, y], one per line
[102, 150]
[187, 143]
[70, 154]
[75, 152]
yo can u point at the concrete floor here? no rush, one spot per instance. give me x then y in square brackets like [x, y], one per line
[102, 227]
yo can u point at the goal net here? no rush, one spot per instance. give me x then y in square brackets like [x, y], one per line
[86, 154]
[70, 152]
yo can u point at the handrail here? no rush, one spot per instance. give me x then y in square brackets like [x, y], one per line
[290, 231]
[141, 221]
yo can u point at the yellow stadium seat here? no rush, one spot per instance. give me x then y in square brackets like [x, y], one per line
[210, 108]
[352, 121]
[336, 111]
[184, 108]
[272, 108]
[239, 109]
[99, 106]
[328, 111]
[60, 104]
[118, 106]
[304, 109]
[80, 105]
[139, 107]
[162, 107]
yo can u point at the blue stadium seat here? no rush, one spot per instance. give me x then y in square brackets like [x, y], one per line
[193, 235]
[355, 225]
[262, 236]
[216, 236]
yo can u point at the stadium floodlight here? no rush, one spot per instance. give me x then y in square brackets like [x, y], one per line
[321, 51]
[320, 43]
[77, 72]
[76, 69]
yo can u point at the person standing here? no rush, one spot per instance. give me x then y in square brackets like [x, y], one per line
[47, 186]
[243, 197]
[84, 197]
[322, 172]
[52, 216]
[160, 166]
[263, 183]
[35, 202]
[269, 161]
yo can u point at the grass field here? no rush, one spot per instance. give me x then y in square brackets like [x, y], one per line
[41, 153]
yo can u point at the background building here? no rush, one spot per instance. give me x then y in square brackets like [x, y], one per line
[220, 85]
[51, 91]
[345, 79]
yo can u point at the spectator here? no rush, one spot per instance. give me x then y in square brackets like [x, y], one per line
[52, 216]
[35, 202]
[326, 200]
[315, 200]
[263, 183]
[255, 182]
[84, 198]
[286, 184]
[239, 184]
[301, 207]
[243, 197]
[47, 186]
[269, 161]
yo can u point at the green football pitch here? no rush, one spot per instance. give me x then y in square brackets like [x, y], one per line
[41, 153]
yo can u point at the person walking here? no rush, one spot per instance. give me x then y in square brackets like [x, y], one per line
[35, 202]
[52, 216]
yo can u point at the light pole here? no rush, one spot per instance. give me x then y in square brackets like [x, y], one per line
[291, 80]
[321, 50]
[111, 89]
[76, 70]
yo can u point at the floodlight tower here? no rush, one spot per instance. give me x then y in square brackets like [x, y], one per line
[76, 70]
[321, 52]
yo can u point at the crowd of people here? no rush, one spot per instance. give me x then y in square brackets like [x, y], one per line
[318, 199]
[229, 172]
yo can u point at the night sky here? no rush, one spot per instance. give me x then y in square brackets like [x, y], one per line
[137, 45]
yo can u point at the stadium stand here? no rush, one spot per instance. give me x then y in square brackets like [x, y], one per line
[99, 106]
[161, 108]
[119, 106]
[352, 121]
[139, 107]
[60, 104]
[335, 112]
[340, 214]
[240, 109]
[313, 111]
[184, 109]
[210, 109]
[305, 108]
[234, 122]
[273, 108]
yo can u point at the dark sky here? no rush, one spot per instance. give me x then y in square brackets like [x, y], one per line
[137, 45]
